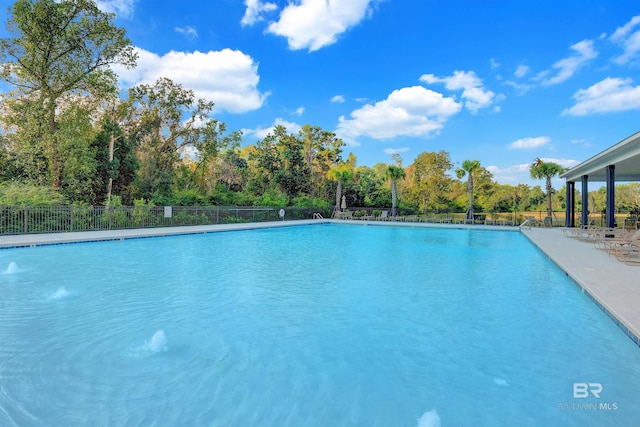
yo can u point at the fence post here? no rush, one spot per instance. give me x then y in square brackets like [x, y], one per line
[26, 221]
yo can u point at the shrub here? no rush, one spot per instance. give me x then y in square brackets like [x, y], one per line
[25, 193]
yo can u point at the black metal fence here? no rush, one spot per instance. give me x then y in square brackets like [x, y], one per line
[56, 219]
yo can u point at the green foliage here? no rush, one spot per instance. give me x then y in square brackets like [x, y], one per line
[121, 170]
[57, 51]
[306, 201]
[429, 184]
[115, 201]
[188, 198]
[25, 193]
[273, 199]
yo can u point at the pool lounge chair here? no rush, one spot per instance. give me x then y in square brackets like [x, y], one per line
[604, 236]
[630, 255]
[595, 234]
[616, 246]
[575, 232]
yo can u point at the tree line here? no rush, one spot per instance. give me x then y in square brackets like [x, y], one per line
[68, 135]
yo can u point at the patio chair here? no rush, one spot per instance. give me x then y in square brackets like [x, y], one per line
[384, 216]
[531, 221]
[368, 217]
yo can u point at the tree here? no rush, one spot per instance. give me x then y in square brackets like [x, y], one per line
[430, 184]
[57, 48]
[116, 162]
[469, 168]
[168, 122]
[342, 173]
[369, 188]
[322, 150]
[294, 177]
[394, 173]
[264, 162]
[546, 170]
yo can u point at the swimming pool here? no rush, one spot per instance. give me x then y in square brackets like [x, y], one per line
[318, 325]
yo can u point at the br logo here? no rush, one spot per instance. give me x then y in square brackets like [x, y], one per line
[583, 390]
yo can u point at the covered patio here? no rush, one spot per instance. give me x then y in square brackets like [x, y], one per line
[621, 163]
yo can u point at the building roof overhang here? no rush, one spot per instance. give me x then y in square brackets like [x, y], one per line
[625, 156]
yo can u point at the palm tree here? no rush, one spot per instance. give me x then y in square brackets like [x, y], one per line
[469, 168]
[394, 173]
[342, 173]
[548, 170]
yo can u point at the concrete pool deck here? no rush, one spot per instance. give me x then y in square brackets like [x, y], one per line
[611, 284]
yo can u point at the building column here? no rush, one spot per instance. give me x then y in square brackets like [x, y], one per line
[611, 200]
[585, 200]
[571, 205]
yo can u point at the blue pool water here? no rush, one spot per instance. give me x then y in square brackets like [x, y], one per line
[320, 325]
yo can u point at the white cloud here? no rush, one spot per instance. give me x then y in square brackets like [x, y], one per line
[629, 40]
[255, 10]
[338, 99]
[473, 92]
[510, 175]
[314, 24]
[567, 163]
[521, 71]
[261, 133]
[227, 77]
[610, 94]
[528, 143]
[510, 169]
[410, 111]
[123, 8]
[494, 63]
[392, 151]
[582, 142]
[567, 67]
[522, 88]
[299, 111]
[188, 31]
[519, 173]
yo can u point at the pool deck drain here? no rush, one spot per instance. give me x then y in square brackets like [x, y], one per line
[612, 285]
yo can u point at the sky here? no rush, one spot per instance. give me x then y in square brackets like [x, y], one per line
[501, 81]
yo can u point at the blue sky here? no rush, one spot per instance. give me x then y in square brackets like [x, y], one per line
[501, 81]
